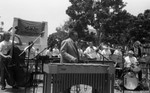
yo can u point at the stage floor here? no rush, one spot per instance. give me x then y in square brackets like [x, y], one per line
[9, 89]
[39, 89]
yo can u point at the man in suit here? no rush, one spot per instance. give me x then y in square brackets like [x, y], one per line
[69, 51]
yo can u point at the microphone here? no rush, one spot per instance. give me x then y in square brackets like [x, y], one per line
[42, 33]
[16, 28]
[10, 29]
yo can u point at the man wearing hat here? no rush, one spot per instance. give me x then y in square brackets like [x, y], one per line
[131, 64]
[130, 59]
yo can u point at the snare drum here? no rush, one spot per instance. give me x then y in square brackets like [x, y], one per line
[130, 81]
[136, 69]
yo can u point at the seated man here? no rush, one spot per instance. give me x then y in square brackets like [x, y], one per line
[106, 52]
[55, 51]
[131, 65]
[90, 52]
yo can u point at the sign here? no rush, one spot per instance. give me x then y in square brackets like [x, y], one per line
[29, 28]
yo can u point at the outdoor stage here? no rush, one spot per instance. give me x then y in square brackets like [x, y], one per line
[39, 89]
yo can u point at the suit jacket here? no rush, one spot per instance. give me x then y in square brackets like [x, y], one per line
[69, 51]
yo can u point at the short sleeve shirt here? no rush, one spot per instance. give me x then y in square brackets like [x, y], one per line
[5, 46]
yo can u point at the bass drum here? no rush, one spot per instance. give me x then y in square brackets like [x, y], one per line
[130, 81]
[21, 77]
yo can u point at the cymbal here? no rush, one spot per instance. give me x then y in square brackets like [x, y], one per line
[144, 59]
[116, 58]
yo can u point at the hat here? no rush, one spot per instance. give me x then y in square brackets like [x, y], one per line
[130, 52]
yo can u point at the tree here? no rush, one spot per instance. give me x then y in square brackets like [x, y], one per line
[119, 27]
[94, 13]
[142, 27]
[56, 38]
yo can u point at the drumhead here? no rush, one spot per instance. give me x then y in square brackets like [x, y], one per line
[130, 81]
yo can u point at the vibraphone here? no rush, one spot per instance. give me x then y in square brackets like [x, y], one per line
[60, 77]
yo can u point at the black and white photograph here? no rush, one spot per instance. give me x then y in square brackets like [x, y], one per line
[75, 46]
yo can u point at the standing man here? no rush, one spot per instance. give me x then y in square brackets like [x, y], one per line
[137, 49]
[5, 46]
[69, 51]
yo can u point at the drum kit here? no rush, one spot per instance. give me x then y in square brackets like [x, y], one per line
[127, 79]
[130, 81]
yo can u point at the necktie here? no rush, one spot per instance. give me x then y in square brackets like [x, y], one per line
[76, 50]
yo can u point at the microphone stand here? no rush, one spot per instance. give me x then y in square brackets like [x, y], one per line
[30, 45]
[36, 66]
[29, 48]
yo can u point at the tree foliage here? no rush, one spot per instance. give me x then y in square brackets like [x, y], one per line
[112, 23]
[119, 27]
[94, 13]
[56, 38]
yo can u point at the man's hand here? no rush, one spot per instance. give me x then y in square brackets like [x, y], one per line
[75, 60]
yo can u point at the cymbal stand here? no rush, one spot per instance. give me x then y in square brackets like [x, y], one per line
[27, 67]
[123, 51]
[122, 79]
[35, 82]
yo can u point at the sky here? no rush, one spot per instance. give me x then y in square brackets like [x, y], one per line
[51, 11]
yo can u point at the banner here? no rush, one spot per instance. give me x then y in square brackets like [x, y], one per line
[29, 28]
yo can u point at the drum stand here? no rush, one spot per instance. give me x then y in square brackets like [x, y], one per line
[35, 81]
[37, 59]
[117, 85]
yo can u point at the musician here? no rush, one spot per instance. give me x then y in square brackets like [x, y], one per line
[99, 52]
[106, 52]
[118, 56]
[48, 52]
[37, 52]
[5, 46]
[131, 62]
[80, 50]
[55, 51]
[137, 49]
[90, 52]
[118, 51]
[30, 49]
[68, 50]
